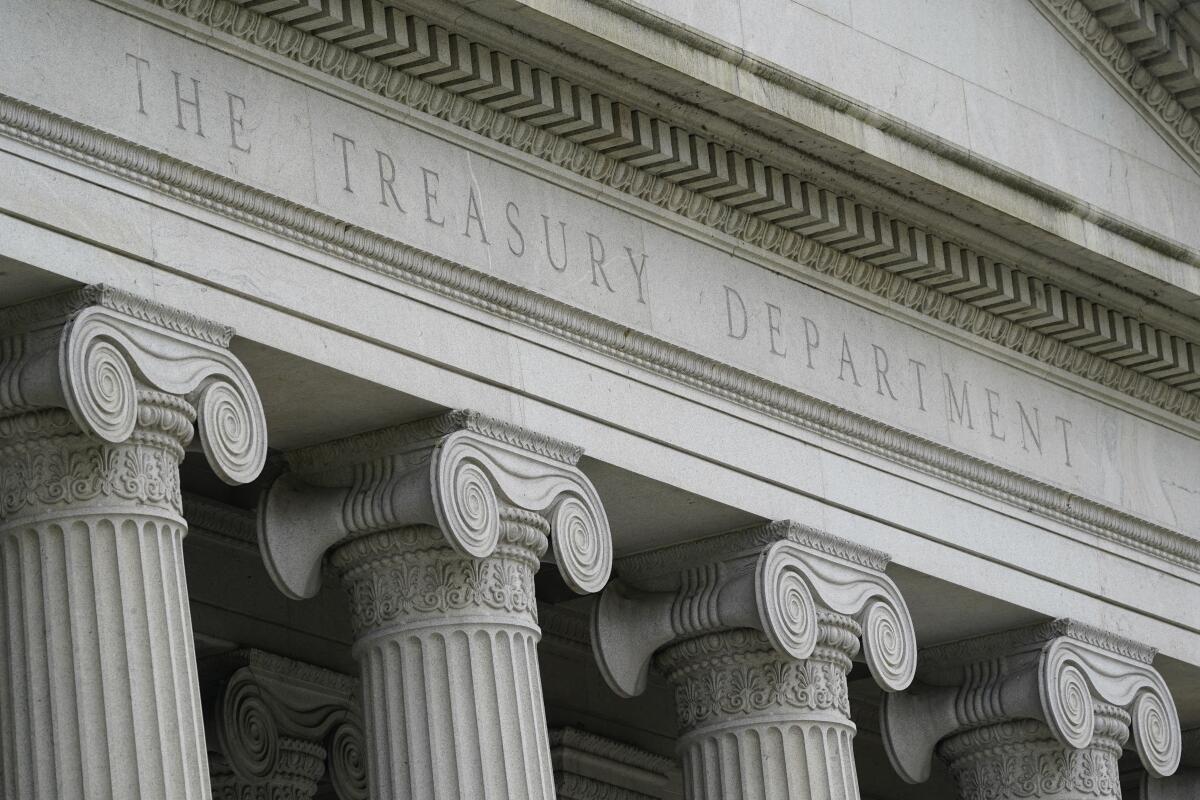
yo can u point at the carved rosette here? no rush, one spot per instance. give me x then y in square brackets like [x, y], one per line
[277, 726]
[756, 630]
[100, 392]
[1038, 712]
[435, 530]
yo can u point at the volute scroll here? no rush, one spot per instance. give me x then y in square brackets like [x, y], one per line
[102, 349]
[453, 473]
[774, 579]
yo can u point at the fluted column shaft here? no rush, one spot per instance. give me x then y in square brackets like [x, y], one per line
[99, 394]
[97, 662]
[446, 644]
[436, 529]
[756, 630]
[758, 725]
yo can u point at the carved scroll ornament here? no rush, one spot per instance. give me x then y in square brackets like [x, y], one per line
[1057, 682]
[96, 350]
[777, 588]
[279, 725]
[453, 474]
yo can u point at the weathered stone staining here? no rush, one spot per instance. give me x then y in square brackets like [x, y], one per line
[435, 530]
[99, 394]
[756, 630]
[1037, 712]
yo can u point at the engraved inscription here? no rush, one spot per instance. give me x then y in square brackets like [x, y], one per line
[189, 104]
[451, 193]
[824, 354]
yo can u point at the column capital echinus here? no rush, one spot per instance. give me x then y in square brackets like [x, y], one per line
[435, 530]
[100, 393]
[756, 629]
[1041, 711]
[453, 472]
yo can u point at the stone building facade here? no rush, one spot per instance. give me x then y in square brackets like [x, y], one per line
[599, 399]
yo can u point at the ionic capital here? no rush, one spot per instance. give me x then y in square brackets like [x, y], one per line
[774, 578]
[1081, 683]
[107, 358]
[452, 472]
[100, 393]
[278, 726]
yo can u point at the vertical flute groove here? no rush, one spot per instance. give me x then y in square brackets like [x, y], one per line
[758, 725]
[447, 649]
[100, 693]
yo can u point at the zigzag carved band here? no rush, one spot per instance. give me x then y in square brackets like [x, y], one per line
[360, 34]
[397, 260]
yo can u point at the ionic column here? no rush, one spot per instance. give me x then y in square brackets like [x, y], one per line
[277, 726]
[1040, 712]
[435, 530]
[1184, 784]
[99, 393]
[756, 630]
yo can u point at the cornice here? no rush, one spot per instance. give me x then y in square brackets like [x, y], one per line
[790, 83]
[641, 154]
[1144, 58]
[396, 260]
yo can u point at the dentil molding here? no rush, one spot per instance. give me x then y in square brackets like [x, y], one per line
[1144, 57]
[394, 259]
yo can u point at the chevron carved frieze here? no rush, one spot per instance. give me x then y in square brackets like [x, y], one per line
[735, 192]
